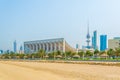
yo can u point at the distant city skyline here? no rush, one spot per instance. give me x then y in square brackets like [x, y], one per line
[27, 20]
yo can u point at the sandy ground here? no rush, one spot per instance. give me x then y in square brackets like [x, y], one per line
[56, 71]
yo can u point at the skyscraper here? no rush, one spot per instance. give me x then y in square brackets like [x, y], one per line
[94, 40]
[103, 42]
[77, 46]
[15, 46]
[21, 49]
[1, 51]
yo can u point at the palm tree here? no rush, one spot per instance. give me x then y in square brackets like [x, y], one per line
[12, 55]
[64, 55]
[41, 53]
[33, 56]
[81, 53]
[21, 56]
[96, 52]
[18, 56]
[50, 55]
[117, 53]
[110, 53]
[58, 52]
[88, 53]
[6, 56]
[54, 54]
[68, 54]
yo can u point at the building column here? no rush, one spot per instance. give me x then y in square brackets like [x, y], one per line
[33, 48]
[25, 46]
[51, 47]
[30, 48]
[43, 46]
[39, 46]
[63, 45]
[47, 47]
[36, 47]
[55, 46]
[59, 46]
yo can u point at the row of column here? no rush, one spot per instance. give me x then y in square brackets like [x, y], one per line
[48, 47]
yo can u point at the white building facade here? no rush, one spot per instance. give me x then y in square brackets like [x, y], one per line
[114, 43]
[49, 45]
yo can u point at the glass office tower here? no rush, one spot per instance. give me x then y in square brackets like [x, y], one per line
[103, 42]
[15, 46]
[94, 40]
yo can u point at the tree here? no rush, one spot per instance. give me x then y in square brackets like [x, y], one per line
[81, 53]
[12, 55]
[96, 52]
[64, 55]
[58, 53]
[88, 53]
[21, 56]
[117, 53]
[68, 53]
[33, 56]
[73, 53]
[50, 55]
[41, 53]
[54, 54]
[110, 53]
[5, 56]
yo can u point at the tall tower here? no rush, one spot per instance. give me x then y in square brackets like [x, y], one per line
[88, 38]
[21, 49]
[15, 46]
[94, 40]
[103, 42]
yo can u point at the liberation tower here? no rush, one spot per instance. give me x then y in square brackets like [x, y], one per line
[88, 38]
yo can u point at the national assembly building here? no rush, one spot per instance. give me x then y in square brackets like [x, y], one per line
[49, 45]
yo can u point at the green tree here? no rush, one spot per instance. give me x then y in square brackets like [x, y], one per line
[110, 53]
[12, 54]
[21, 56]
[41, 53]
[58, 53]
[96, 52]
[5, 56]
[54, 54]
[68, 53]
[88, 53]
[117, 52]
[50, 55]
[81, 53]
[33, 56]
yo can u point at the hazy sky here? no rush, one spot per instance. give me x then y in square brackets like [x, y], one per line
[26, 20]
